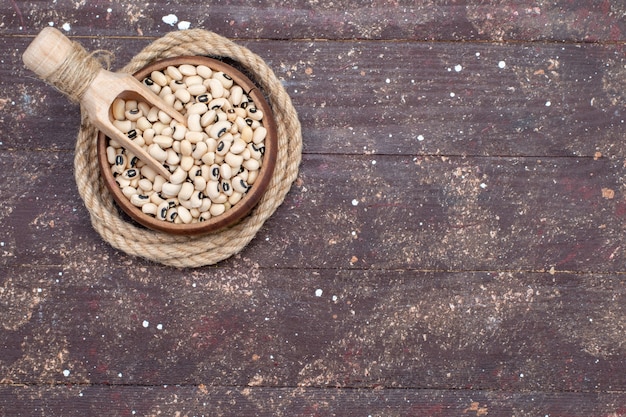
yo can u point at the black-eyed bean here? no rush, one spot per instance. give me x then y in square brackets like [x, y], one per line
[187, 162]
[162, 210]
[172, 214]
[206, 204]
[129, 191]
[239, 185]
[197, 108]
[187, 69]
[252, 176]
[176, 85]
[193, 123]
[143, 123]
[148, 135]
[111, 154]
[223, 145]
[164, 117]
[193, 80]
[204, 216]
[170, 190]
[238, 146]
[235, 198]
[133, 114]
[183, 95]
[148, 172]
[121, 161]
[179, 131]
[208, 118]
[216, 209]
[132, 160]
[200, 150]
[204, 71]
[194, 137]
[221, 115]
[178, 176]
[234, 161]
[157, 184]
[198, 90]
[199, 183]
[259, 135]
[118, 108]
[208, 158]
[219, 129]
[247, 134]
[122, 182]
[214, 173]
[144, 107]
[204, 98]
[159, 78]
[219, 103]
[153, 115]
[149, 208]
[196, 199]
[130, 174]
[145, 184]
[169, 99]
[227, 188]
[225, 79]
[184, 215]
[215, 87]
[173, 73]
[163, 141]
[226, 172]
[236, 95]
[123, 125]
[157, 152]
[256, 151]
[254, 113]
[213, 190]
[241, 113]
[139, 199]
[251, 164]
[173, 158]
[186, 148]
[178, 106]
[156, 198]
[186, 190]
[166, 91]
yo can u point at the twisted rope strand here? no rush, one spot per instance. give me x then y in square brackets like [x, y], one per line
[185, 251]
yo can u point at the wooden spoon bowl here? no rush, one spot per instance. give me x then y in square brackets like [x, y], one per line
[239, 210]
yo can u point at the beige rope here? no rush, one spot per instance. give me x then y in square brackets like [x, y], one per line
[183, 251]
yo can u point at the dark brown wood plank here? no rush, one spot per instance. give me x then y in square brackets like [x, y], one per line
[246, 325]
[394, 98]
[496, 20]
[372, 211]
[204, 400]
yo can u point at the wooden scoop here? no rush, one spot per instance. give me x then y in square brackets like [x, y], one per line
[49, 53]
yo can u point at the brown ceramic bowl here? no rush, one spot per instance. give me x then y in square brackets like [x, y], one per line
[242, 208]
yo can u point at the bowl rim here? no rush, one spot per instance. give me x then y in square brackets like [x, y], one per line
[243, 207]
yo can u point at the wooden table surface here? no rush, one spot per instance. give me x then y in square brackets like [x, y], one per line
[454, 244]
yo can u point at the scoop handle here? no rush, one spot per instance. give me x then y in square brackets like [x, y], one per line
[47, 52]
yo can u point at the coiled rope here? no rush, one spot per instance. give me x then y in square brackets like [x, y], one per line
[195, 251]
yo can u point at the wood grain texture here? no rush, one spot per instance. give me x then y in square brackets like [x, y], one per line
[448, 20]
[300, 402]
[454, 244]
